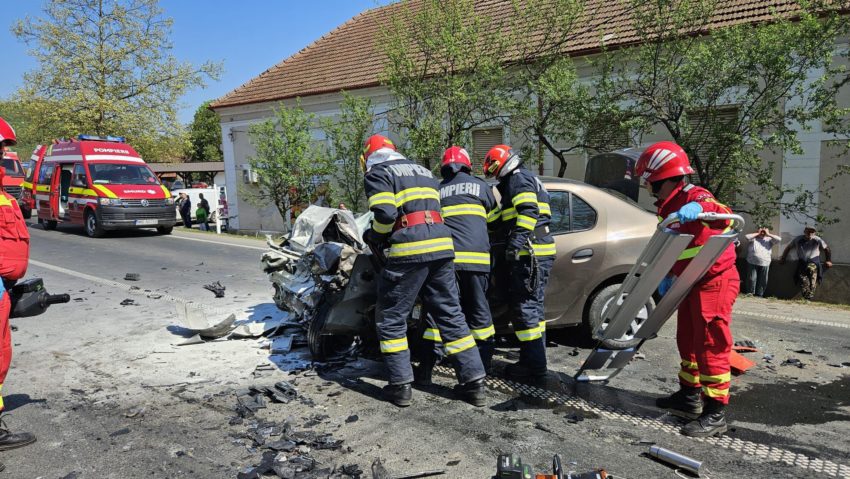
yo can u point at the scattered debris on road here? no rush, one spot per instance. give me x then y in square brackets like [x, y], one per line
[217, 288]
[132, 277]
[128, 302]
[793, 362]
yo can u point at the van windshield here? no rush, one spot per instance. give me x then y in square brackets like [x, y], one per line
[12, 167]
[120, 174]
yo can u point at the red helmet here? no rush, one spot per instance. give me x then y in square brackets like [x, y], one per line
[7, 133]
[373, 144]
[500, 161]
[663, 160]
[456, 159]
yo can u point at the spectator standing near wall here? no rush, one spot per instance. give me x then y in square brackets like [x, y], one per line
[758, 260]
[810, 270]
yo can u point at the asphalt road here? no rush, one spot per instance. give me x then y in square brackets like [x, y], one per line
[110, 394]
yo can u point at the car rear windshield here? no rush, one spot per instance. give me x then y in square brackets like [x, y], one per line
[121, 174]
[12, 167]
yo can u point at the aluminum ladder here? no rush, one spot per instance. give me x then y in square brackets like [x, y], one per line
[652, 266]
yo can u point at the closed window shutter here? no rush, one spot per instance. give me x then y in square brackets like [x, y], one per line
[607, 138]
[700, 125]
[482, 141]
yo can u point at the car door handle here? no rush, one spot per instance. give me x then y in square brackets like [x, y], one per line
[582, 255]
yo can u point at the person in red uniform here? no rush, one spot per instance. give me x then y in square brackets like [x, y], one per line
[14, 256]
[702, 334]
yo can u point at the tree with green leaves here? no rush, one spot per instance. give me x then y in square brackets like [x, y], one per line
[290, 170]
[205, 135]
[445, 71]
[346, 134]
[733, 96]
[106, 68]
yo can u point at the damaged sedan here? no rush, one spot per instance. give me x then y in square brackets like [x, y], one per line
[325, 276]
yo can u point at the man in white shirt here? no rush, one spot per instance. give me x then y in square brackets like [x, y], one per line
[758, 260]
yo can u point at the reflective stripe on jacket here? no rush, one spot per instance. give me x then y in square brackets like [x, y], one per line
[466, 202]
[398, 187]
[524, 207]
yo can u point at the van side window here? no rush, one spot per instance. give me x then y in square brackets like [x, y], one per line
[30, 169]
[46, 173]
[79, 179]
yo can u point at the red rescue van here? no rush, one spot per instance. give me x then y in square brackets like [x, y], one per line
[27, 200]
[102, 184]
[14, 174]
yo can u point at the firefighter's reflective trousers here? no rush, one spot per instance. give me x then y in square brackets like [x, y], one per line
[473, 302]
[527, 309]
[398, 287]
[703, 335]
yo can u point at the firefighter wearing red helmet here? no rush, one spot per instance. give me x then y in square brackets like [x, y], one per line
[14, 245]
[405, 200]
[523, 225]
[702, 334]
[466, 203]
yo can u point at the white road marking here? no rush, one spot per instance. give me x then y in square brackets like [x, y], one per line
[794, 319]
[217, 242]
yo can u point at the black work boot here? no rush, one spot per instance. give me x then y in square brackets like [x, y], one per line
[686, 402]
[424, 373]
[710, 423]
[473, 392]
[10, 440]
[485, 349]
[399, 394]
[521, 373]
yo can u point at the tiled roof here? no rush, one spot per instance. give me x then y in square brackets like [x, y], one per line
[349, 57]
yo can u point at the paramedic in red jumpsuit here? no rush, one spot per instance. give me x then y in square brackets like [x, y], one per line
[14, 256]
[702, 334]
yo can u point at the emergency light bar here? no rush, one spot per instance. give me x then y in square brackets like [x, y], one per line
[114, 139]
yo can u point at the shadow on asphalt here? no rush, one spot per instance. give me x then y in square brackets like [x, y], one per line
[14, 401]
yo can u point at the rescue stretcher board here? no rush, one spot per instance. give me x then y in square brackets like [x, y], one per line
[654, 263]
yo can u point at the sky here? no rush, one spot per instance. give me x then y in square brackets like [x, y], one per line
[248, 36]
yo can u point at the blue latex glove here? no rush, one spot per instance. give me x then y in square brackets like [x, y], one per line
[665, 285]
[689, 212]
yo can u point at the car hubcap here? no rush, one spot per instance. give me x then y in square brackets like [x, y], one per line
[92, 223]
[633, 327]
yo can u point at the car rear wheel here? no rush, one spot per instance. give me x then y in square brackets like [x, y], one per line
[93, 228]
[599, 303]
[164, 230]
[324, 347]
[49, 224]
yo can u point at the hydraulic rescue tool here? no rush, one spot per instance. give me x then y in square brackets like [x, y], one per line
[653, 265]
[29, 298]
[510, 466]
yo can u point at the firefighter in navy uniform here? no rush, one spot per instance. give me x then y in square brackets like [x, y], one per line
[529, 252]
[14, 259]
[405, 200]
[466, 201]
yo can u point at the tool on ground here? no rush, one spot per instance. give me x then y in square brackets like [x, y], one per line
[510, 466]
[675, 459]
[29, 298]
[417, 475]
[654, 264]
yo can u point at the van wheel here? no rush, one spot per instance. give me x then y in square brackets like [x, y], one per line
[599, 303]
[49, 225]
[93, 228]
[164, 230]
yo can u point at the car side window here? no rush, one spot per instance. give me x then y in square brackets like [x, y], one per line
[570, 213]
[583, 215]
[559, 202]
[79, 178]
